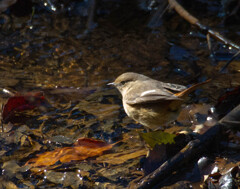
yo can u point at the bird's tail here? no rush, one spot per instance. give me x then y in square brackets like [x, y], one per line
[191, 89]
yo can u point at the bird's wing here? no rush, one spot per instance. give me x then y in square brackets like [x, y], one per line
[157, 92]
[173, 87]
[150, 96]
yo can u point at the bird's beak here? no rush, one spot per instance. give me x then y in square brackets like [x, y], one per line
[111, 84]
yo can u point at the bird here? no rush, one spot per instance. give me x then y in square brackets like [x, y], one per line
[150, 102]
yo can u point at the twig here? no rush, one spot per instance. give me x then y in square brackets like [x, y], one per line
[90, 21]
[212, 55]
[232, 119]
[229, 61]
[219, 37]
[154, 21]
[193, 20]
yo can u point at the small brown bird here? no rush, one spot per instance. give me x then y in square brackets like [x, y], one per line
[151, 102]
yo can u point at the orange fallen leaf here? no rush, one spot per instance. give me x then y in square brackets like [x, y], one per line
[82, 149]
[121, 157]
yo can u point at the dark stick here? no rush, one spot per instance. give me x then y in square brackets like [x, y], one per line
[212, 55]
[229, 61]
[193, 20]
[91, 11]
[193, 149]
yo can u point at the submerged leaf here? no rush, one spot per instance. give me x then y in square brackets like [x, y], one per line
[19, 103]
[71, 179]
[82, 149]
[158, 137]
[102, 111]
[119, 158]
[7, 184]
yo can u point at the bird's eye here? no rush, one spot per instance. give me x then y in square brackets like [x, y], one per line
[123, 82]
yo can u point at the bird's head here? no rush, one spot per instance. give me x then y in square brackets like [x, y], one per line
[127, 80]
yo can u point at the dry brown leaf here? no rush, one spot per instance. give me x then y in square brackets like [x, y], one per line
[119, 158]
[82, 149]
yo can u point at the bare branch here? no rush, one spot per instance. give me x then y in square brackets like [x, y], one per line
[193, 20]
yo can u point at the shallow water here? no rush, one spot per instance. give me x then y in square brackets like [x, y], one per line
[52, 52]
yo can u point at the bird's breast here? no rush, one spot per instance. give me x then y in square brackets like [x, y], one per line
[151, 115]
